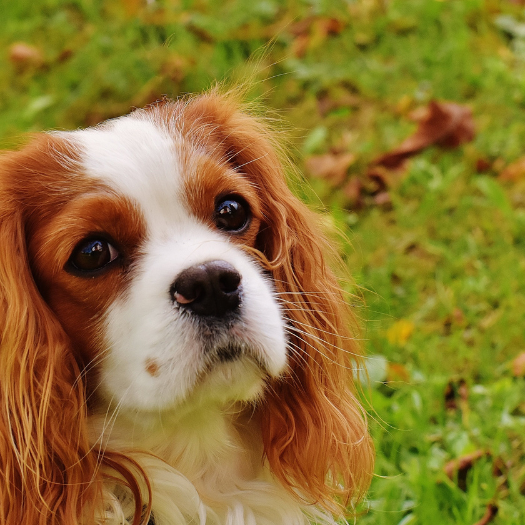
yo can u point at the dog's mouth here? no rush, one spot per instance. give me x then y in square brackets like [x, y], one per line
[224, 353]
[230, 352]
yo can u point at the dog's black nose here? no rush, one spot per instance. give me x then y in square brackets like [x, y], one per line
[209, 289]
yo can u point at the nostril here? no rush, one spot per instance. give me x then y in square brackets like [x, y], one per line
[184, 299]
[189, 286]
[229, 281]
[209, 289]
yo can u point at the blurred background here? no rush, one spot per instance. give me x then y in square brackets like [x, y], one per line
[407, 119]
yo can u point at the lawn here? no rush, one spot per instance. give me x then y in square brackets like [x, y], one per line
[436, 248]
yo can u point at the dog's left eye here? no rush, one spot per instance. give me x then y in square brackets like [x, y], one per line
[91, 255]
[232, 214]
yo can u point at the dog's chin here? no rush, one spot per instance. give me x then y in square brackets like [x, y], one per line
[233, 377]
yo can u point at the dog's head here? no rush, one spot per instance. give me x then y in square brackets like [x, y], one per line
[156, 263]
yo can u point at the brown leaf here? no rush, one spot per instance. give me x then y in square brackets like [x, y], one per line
[300, 45]
[483, 165]
[330, 26]
[456, 392]
[518, 365]
[332, 167]
[23, 55]
[324, 25]
[353, 190]
[397, 373]
[383, 200]
[311, 32]
[327, 102]
[301, 27]
[385, 178]
[65, 55]
[489, 515]
[462, 465]
[445, 123]
[514, 171]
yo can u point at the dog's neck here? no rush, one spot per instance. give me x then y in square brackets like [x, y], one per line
[205, 467]
[209, 445]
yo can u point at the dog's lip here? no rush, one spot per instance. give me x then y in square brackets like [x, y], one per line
[230, 352]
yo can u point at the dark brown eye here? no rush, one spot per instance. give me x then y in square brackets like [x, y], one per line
[91, 255]
[232, 214]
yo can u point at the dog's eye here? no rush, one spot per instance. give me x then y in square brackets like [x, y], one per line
[90, 255]
[232, 214]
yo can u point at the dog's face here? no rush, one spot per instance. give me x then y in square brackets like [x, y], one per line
[146, 265]
[153, 265]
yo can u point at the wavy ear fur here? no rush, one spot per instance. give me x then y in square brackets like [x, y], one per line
[44, 457]
[314, 429]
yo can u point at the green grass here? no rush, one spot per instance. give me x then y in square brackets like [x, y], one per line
[447, 258]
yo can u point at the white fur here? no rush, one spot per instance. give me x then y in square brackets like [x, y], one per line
[206, 466]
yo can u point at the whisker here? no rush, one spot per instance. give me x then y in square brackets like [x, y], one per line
[327, 357]
[322, 341]
[294, 321]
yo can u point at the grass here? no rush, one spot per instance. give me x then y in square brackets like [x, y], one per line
[441, 268]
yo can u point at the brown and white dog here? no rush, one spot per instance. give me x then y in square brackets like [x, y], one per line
[173, 348]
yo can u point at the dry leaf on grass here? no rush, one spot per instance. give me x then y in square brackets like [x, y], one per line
[397, 373]
[456, 393]
[24, 56]
[332, 166]
[518, 365]
[446, 124]
[399, 333]
[514, 171]
[459, 467]
[353, 191]
[489, 515]
[311, 32]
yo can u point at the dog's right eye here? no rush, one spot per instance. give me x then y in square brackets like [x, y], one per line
[91, 255]
[232, 214]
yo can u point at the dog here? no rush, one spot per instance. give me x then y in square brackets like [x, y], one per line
[174, 349]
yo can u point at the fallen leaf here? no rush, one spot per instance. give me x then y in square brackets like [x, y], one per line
[65, 55]
[300, 46]
[400, 332]
[490, 514]
[458, 316]
[324, 25]
[386, 178]
[518, 365]
[483, 165]
[329, 26]
[353, 190]
[514, 171]
[459, 467]
[397, 373]
[301, 27]
[332, 166]
[446, 124]
[311, 32]
[383, 199]
[23, 55]
[456, 392]
[327, 102]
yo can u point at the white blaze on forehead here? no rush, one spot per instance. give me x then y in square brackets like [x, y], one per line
[139, 160]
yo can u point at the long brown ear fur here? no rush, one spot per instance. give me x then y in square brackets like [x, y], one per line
[50, 474]
[314, 429]
[44, 460]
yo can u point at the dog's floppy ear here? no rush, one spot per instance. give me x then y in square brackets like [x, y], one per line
[44, 457]
[314, 429]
